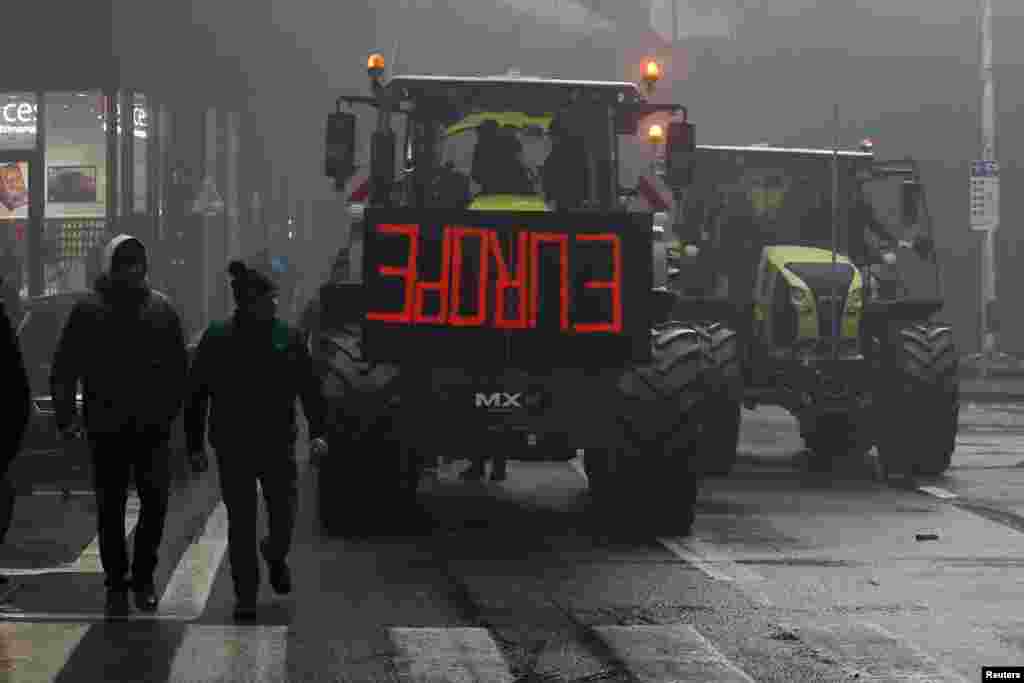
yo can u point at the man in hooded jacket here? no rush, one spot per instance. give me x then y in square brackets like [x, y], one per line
[125, 344]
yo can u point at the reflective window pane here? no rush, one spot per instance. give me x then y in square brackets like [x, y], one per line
[14, 197]
[76, 194]
[140, 133]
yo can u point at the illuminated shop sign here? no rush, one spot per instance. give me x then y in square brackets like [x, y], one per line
[19, 118]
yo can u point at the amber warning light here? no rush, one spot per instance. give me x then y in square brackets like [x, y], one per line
[652, 71]
[375, 64]
[656, 134]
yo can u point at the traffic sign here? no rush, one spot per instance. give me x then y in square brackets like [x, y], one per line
[209, 202]
[984, 195]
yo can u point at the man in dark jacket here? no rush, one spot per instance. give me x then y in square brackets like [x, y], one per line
[126, 346]
[10, 286]
[253, 427]
[18, 402]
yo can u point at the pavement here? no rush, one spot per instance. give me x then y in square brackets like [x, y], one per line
[993, 389]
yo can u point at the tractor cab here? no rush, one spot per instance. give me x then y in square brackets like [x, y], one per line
[763, 235]
[508, 142]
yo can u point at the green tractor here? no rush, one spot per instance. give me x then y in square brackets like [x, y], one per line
[833, 308]
[499, 291]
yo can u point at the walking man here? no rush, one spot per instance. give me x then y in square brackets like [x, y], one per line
[248, 371]
[125, 344]
[18, 400]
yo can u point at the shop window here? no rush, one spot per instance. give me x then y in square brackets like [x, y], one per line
[140, 136]
[76, 194]
[14, 200]
[18, 121]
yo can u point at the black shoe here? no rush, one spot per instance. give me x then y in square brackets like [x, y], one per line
[145, 599]
[280, 574]
[117, 603]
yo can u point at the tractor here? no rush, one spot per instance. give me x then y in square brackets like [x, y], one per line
[824, 262]
[499, 291]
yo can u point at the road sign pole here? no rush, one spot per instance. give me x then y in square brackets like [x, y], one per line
[985, 200]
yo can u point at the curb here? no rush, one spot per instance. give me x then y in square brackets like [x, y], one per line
[780, 460]
[991, 397]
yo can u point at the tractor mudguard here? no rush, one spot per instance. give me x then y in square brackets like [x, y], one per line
[902, 310]
[712, 308]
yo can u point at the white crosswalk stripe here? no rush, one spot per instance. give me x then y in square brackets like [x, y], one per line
[208, 653]
[189, 588]
[37, 652]
[871, 653]
[864, 649]
[670, 653]
[448, 655]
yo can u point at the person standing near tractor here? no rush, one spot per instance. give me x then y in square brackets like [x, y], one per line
[253, 433]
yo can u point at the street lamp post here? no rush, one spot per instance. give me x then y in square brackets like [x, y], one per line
[989, 352]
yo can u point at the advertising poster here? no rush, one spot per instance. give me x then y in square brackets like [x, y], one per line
[13, 190]
[71, 184]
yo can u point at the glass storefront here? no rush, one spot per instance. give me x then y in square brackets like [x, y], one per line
[68, 184]
[85, 179]
[76, 187]
[18, 112]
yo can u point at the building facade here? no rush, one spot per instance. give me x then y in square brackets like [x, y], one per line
[126, 121]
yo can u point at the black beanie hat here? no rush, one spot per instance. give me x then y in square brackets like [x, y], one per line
[248, 282]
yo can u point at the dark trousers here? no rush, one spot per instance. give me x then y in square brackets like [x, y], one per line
[115, 459]
[7, 495]
[277, 473]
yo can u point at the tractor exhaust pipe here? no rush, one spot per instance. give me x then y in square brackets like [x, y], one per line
[836, 312]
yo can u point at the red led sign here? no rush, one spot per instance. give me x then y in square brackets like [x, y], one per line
[524, 282]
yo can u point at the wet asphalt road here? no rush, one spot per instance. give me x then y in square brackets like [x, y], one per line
[789, 576]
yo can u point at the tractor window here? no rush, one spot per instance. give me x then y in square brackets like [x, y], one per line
[497, 156]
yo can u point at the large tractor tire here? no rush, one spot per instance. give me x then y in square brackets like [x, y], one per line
[368, 461]
[648, 484]
[919, 402]
[722, 408]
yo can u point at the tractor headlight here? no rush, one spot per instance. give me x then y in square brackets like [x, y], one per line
[855, 302]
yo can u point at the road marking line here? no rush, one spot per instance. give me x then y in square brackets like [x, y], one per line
[190, 584]
[717, 565]
[873, 653]
[37, 652]
[11, 615]
[938, 492]
[670, 653]
[88, 561]
[904, 661]
[452, 655]
[255, 654]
